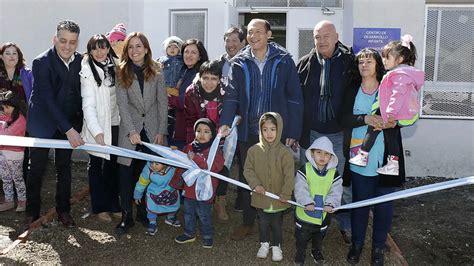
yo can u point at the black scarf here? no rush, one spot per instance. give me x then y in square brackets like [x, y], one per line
[326, 112]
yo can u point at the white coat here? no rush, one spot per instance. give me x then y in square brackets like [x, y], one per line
[99, 105]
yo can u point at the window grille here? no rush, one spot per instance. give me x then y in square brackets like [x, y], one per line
[289, 3]
[449, 62]
[305, 42]
[189, 24]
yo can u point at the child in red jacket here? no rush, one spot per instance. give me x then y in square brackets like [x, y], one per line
[195, 207]
[13, 123]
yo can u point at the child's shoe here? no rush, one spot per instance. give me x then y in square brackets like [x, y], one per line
[152, 229]
[317, 256]
[391, 168]
[7, 205]
[360, 159]
[263, 250]
[207, 243]
[277, 254]
[173, 221]
[182, 239]
[21, 206]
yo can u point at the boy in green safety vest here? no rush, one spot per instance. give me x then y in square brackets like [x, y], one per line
[318, 187]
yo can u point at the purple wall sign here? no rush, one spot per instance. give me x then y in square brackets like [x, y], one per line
[375, 38]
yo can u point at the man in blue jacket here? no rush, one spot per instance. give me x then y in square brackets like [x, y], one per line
[262, 78]
[55, 112]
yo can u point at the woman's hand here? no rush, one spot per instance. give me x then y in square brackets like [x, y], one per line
[99, 139]
[260, 189]
[135, 138]
[375, 121]
[160, 139]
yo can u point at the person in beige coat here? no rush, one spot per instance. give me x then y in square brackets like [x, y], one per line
[270, 167]
[143, 107]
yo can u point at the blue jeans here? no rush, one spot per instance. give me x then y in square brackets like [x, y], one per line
[366, 187]
[194, 210]
[343, 217]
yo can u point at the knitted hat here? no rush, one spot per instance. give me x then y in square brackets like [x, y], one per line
[209, 123]
[118, 33]
[172, 40]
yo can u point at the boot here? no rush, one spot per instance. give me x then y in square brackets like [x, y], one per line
[377, 257]
[353, 256]
[220, 208]
[126, 223]
[242, 231]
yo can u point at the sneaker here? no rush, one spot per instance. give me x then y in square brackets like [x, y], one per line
[263, 250]
[173, 221]
[207, 243]
[182, 239]
[152, 229]
[391, 168]
[7, 205]
[317, 256]
[21, 206]
[277, 254]
[360, 159]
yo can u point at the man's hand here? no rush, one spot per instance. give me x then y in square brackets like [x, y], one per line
[224, 131]
[99, 139]
[134, 138]
[160, 139]
[74, 138]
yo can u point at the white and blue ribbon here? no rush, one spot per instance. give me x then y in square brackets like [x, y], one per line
[180, 159]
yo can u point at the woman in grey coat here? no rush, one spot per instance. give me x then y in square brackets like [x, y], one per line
[143, 107]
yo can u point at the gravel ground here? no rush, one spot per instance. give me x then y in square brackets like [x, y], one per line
[425, 228]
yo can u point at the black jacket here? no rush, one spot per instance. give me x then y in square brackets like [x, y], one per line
[309, 80]
[350, 121]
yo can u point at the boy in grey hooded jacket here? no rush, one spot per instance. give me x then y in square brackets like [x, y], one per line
[317, 185]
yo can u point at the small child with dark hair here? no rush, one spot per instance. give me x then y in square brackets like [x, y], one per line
[172, 63]
[398, 102]
[270, 167]
[161, 197]
[317, 184]
[12, 123]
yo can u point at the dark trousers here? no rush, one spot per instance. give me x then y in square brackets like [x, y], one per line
[390, 135]
[270, 222]
[243, 195]
[304, 232]
[128, 176]
[366, 187]
[222, 185]
[39, 161]
[103, 181]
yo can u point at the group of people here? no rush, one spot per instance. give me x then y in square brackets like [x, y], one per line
[333, 103]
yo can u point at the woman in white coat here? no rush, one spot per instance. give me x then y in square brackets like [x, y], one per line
[101, 124]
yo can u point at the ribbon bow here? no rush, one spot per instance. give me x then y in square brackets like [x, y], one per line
[406, 39]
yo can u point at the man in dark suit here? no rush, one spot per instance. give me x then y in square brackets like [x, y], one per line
[55, 112]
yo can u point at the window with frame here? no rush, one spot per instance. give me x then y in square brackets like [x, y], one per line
[305, 41]
[449, 62]
[189, 24]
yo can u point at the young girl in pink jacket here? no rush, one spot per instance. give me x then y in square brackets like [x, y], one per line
[13, 123]
[398, 101]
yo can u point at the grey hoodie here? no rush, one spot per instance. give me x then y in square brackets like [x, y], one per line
[302, 194]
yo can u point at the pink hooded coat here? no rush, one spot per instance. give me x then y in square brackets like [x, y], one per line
[398, 93]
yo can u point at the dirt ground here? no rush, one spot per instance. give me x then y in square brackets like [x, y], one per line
[434, 229]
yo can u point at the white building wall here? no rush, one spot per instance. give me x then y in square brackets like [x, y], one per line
[32, 24]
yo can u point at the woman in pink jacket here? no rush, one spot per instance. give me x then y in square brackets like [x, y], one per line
[13, 123]
[397, 101]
